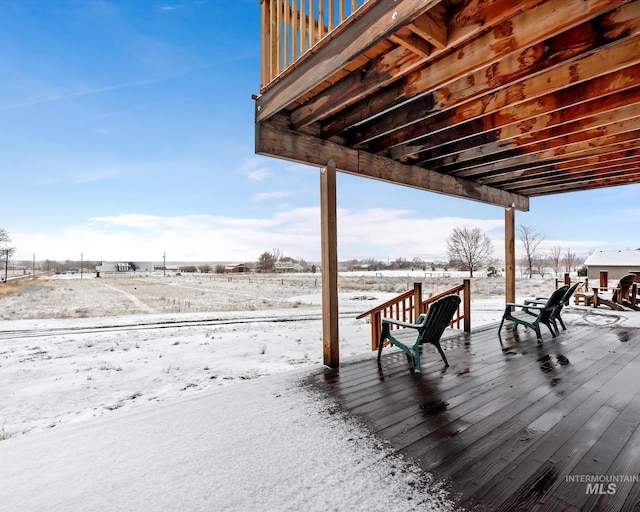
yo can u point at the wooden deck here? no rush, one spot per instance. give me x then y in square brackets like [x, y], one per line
[522, 426]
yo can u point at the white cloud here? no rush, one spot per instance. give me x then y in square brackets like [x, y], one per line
[378, 232]
[256, 168]
[266, 196]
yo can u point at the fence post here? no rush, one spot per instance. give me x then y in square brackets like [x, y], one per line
[376, 320]
[417, 300]
[467, 304]
[567, 279]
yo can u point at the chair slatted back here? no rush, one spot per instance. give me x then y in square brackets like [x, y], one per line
[439, 317]
[554, 301]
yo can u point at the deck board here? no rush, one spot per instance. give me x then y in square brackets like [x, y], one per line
[507, 422]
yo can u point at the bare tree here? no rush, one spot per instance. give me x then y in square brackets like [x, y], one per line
[205, 269]
[530, 239]
[469, 248]
[266, 262]
[555, 258]
[571, 260]
[6, 251]
[541, 263]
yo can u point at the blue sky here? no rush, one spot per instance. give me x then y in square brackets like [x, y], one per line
[127, 131]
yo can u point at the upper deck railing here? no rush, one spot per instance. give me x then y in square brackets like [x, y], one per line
[290, 28]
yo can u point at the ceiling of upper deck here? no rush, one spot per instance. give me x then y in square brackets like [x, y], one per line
[530, 98]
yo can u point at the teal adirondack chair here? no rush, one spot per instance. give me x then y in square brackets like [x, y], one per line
[429, 328]
[556, 314]
[543, 315]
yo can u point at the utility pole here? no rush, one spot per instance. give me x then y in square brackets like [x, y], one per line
[33, 267]
[6, 265]
[81, 265]
[164, 264]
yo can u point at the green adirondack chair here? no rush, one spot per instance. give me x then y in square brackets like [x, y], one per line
[543, 316]
[556, 314]
[429, 328]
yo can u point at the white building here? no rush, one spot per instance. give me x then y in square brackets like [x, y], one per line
[616, 263]
[122, 267]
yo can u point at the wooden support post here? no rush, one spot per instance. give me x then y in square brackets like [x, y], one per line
[417, 300]
[510, 254]
[567, 279]
[329, 233]
[467, 304]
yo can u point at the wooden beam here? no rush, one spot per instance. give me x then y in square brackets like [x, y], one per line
[515, 36]
[492, 144]
[575, 165]
[578, 80]
[510, 254]
[280, 142]
[566, 152]
[483, 15]
[627, 178]
[552, 166]
[433, 26]
[376, 20]
[601, 173]
[328, 214]
[414, 43]
[611, 119]
[368, 78]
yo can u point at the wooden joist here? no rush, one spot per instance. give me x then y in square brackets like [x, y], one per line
[492, 100]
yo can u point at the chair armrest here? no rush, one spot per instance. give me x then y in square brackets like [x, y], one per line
[530, 306]
[400, 323]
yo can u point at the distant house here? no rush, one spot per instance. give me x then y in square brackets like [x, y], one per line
[237, 269]
[286, 267]
[122, 267]
[616, 263]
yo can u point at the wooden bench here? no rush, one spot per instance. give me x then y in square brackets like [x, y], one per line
[585, 297]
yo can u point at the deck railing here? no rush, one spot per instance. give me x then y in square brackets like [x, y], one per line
[409, 305]
[290, 28]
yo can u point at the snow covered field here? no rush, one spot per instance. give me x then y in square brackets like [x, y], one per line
[73, 349]
[92, 365]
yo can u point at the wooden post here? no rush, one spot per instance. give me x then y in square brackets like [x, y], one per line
[510, 254]
[329, 233]
[467, 304]
[417, 300]
[567, 279]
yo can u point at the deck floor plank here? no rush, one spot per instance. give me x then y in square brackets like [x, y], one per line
[511, 420]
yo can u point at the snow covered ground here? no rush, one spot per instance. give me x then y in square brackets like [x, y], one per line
[117, 396]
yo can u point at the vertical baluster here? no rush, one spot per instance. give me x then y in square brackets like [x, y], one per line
[279, 66]
[295, 29]
[312, 11]
[273, 28]
[264, 41]
[321, 19]
[331, 15]
[304, 45]
[285, 26]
